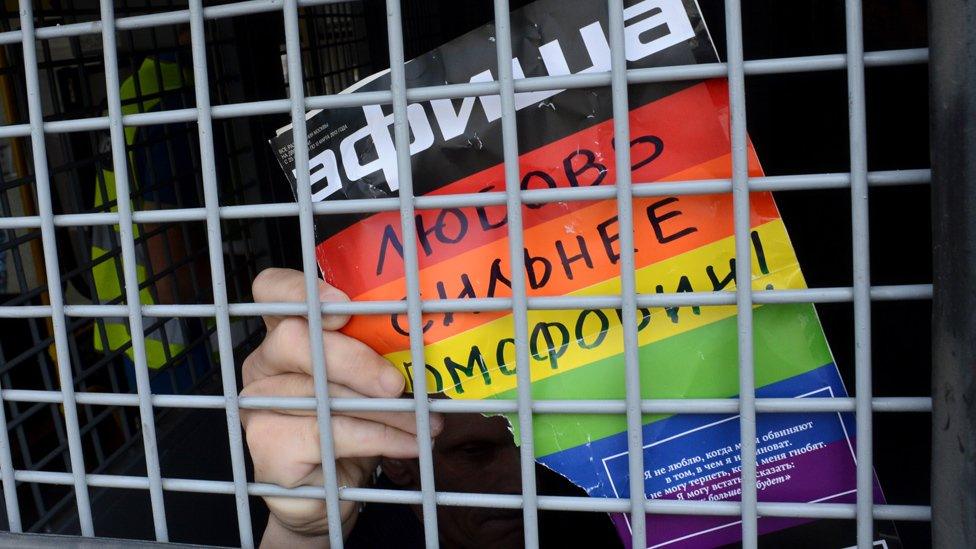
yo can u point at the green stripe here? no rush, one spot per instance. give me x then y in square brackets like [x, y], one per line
[702, 363]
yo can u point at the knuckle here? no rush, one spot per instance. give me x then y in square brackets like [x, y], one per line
[292, 330]
[291, 479]
[387, 434]
[359, 355]
[291, 333]
[245, 417]
[293, 473]
[264, 435]
[259, 433]
[309, 433]
[305, 516]
[350, 435]
[248, 368]
[263, 281]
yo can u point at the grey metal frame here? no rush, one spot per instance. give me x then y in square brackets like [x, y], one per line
[858, 180]
[953, 74]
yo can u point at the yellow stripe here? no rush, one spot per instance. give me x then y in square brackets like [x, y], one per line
[489, 356]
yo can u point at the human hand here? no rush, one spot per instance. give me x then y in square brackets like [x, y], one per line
[284, 444]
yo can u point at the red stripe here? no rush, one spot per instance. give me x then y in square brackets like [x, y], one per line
[691, 124]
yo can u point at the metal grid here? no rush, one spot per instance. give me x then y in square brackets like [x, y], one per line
[861, 293]
[72, 85]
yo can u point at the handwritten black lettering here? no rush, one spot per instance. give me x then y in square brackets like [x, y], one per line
[601, 333]
[549, 349]
[589, 164]
[567, 261]
[389, 238]
[658, 219]
[487, 225]
[546, 179]
[475, 359]
[537, 280]
[608, 239]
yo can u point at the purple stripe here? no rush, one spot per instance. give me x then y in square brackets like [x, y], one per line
[827, 472]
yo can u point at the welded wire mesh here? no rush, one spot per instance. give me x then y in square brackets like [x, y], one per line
[92, 404]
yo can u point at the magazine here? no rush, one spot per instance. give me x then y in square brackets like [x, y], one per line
[679, 131]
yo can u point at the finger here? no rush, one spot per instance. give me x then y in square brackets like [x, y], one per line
[288, 286]
[301, 385]
[359, 438]
[285, 449]
[309, 516]
[349, 361]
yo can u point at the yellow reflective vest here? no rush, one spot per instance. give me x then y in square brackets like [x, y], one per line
[106, 272]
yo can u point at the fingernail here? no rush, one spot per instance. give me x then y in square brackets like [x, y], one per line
[392, 381]
[330, 293]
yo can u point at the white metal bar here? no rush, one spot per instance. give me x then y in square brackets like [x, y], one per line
[743, 272]
[628, 283]
[786, 65]
[323, 412]
[177, 17]
[507, 501]
[862, 273]
[10, 499]
[516, 261]
[120, 164]
[52, 269]
[401, 134]
[647, 406]
[211, 196]
[532, 196]
[681, 299]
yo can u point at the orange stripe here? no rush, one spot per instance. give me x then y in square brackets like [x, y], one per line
[709, 215]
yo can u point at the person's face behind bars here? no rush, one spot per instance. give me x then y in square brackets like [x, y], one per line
[476, 454]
